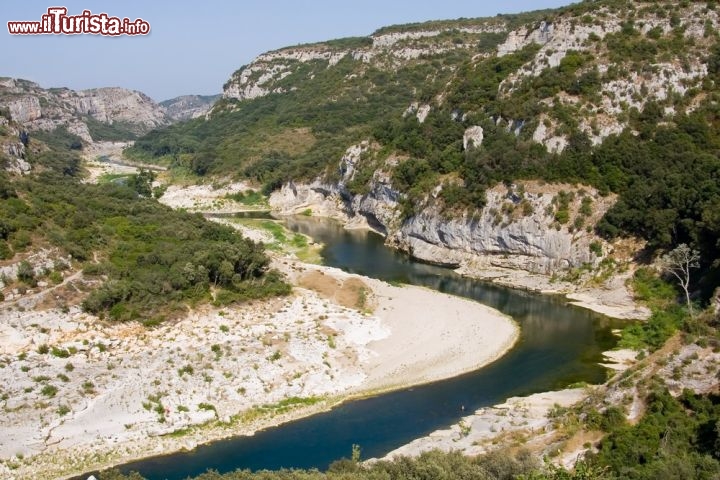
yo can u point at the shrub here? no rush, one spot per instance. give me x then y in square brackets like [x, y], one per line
[26, 273]
[49, 390]
[5, 252]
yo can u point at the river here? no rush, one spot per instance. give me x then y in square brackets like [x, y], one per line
[559, 345]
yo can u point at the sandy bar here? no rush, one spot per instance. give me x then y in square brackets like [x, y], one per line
[608, 304]
[405, 336]
[434, 336]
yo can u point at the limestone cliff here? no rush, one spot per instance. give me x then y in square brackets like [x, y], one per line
[386, 49]
[584, 39]
[12, 149]
[36, 108]
[186, 107]
[518, 228]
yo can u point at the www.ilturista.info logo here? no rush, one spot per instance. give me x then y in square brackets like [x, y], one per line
[57, 21]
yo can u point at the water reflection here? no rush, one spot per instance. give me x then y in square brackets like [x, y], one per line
[558, 345]
[262, 214]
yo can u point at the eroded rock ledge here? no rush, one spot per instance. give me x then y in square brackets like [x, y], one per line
[516, 239]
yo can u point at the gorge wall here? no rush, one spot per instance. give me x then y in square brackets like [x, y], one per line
[518, 228]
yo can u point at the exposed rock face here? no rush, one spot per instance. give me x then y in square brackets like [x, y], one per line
[516, 229]
[12, 149]
[18, 166]
[420, 111]
[189, 106]
[543, 134]
[322, 199]
[521, 38]
[263, 75]
[580, 38]
[378, 208]
[473, 137]
[25, 109]
[117, 104]
[529, 242]
[36, 108]
[350, 161]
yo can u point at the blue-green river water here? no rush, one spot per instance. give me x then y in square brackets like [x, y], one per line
[559, 345]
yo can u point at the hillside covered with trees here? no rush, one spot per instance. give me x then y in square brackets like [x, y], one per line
[150, 262]
[618, 95]
[608, 109]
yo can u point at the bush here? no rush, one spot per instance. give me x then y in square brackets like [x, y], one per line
[26, 273]
[612, 418]
[59, 352]
[49, 390]
[5, 252]
[55, 277]
[20, 240]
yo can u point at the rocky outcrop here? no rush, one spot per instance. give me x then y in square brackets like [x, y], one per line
[499, 235]
[420, 111]
[544, 134]
[473, 137]
[264, 74]
[523, 37]
[319, 198]
[113, 104]
[25, 109]
[18, 165]
[36, 108]
[186, 107]
[378, 209]
[516, 229]
[12, 148]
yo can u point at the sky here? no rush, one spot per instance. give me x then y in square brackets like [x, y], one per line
[194, 46]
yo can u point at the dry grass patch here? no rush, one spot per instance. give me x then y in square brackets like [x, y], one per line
[350, 293]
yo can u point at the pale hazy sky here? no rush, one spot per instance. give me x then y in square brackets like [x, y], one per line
[194, 46]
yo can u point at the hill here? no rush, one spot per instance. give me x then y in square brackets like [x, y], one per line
[97, 114]
[186, 107]
[411, 129]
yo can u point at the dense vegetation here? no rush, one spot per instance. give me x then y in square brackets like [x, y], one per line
[429, 466]
[116, 131]
[284, 136]
[664, 167]
[153, 259]
[667, 315]
[675, 439]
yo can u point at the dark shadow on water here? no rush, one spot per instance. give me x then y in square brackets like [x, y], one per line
[261, 214]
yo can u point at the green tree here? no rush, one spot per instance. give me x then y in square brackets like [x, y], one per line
[142, 181]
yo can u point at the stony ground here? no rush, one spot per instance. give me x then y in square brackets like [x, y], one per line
[72, 380]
